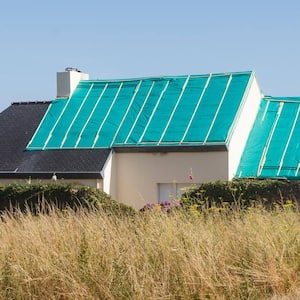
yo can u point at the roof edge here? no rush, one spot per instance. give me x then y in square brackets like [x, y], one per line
[164, 149]
[282, 99]
[31, 102]
[48, 175]
[166, 76]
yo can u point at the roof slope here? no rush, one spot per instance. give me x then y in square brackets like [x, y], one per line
[165, 111]
[273, 146]
[17, 125]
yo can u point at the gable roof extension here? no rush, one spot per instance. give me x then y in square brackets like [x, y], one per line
[192, 110]
[273, 146]
[17, 125]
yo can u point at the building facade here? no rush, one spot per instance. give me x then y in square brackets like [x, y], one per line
[146, 139]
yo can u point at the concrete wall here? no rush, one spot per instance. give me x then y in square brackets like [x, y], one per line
[243, 125]
[138, 175]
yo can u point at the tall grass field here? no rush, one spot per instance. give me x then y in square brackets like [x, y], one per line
[251, 254]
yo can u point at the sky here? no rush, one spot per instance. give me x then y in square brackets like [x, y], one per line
[137, 38]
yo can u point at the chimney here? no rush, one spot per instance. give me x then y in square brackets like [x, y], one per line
[68, 80]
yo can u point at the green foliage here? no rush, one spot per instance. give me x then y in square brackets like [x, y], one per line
[41, 197]
[243, 193]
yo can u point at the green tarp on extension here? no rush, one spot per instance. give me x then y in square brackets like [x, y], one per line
[181, 110]
[273, 146]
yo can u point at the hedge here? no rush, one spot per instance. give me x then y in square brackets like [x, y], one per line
[243, 193]
[38, 197]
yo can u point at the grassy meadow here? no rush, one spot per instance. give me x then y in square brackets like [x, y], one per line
[251, 254]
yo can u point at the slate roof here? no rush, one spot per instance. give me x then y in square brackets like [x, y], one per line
[190, 110]
[17, 125]
[273, 146]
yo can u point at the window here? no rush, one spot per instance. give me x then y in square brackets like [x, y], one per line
[172, 191]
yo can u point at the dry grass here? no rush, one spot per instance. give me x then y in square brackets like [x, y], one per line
[68, 255]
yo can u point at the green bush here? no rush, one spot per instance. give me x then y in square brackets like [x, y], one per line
[40, 197]
[243, 193]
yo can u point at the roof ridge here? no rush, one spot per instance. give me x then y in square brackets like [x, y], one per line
[167, 76]
[31, 102]
[282, 98]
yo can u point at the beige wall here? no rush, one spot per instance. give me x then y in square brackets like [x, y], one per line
[135, 176]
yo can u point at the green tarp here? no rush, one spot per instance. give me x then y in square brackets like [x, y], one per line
[181, 110]
[273, 146]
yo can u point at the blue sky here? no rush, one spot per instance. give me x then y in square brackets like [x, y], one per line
[133, 38]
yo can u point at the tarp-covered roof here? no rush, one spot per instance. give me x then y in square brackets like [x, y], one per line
[273, 146]
[164, 111]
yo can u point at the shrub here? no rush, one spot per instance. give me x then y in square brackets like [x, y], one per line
[40, 197]
[243, 193]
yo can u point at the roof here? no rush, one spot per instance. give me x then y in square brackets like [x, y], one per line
[17, 125]
[273, 146]
[191, 110]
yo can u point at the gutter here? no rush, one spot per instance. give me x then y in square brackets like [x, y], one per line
[164, 149]
[48, 175]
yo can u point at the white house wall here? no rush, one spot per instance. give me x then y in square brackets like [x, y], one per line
[107, 174]
[243, 126]
[138, 175]
[67, 82]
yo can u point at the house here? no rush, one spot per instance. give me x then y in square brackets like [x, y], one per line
[142, 140]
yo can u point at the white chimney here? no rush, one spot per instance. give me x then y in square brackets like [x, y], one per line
[67, 81]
